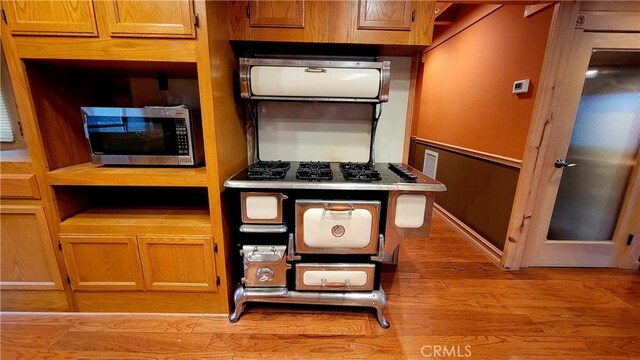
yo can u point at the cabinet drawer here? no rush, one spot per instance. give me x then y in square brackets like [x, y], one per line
[335, 277]
[22, 186]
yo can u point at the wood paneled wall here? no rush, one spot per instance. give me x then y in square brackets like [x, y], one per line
[480, 193]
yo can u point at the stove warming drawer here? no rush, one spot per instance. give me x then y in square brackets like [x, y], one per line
[335, 277]
[337, 227]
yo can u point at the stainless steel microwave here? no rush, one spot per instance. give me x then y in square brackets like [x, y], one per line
[144, 136]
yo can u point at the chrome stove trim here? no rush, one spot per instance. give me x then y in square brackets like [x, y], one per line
[319, 185]
[375, 299]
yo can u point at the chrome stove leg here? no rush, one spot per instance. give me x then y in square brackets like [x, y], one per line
[239, 298]
[379, 303]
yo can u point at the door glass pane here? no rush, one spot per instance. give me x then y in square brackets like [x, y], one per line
[604, 144]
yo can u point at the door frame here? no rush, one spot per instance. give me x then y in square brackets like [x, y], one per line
[569, 100]
[567, 26]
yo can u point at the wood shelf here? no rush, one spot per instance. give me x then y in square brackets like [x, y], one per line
[101, 175]
[139, 220]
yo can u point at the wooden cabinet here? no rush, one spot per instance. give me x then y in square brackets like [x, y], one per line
[145, 262]
[27, 254]
[278, 13]
[178, 263]
[50, 17]
[386, 15]
[122, 18]
[398, 22]
[167, 18]
[102, 262]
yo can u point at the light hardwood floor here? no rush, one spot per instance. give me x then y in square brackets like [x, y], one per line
[444, 293]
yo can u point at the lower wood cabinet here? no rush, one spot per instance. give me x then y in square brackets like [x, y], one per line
[102, 262]
[178, 263]
[138, 263]
[27, 256]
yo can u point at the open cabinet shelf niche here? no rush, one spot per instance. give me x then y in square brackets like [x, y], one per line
[60, 89]
[133, 210]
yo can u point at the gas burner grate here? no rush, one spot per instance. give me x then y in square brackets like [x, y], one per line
[403, 173]
[312, 170]
[364, 172]
[268, 170]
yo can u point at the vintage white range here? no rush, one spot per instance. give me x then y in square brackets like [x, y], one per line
[318, 232]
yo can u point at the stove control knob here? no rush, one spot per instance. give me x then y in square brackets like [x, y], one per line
[264, 274]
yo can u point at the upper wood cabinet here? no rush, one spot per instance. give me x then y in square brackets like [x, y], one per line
[393, 22]
[278, 13]
[386, 15]
[50, 17]
[117, 18]
[178, 263]
[167, 18]
[102, 262]
[27, 255]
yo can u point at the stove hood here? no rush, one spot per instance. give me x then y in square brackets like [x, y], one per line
[314, 80]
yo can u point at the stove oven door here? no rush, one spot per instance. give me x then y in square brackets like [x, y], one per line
[337, 227]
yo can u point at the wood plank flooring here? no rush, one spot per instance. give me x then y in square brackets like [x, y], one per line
[444, 295]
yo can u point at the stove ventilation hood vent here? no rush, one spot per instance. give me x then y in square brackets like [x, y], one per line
[314, 80]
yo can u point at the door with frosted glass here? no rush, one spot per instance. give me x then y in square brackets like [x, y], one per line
[588, 212]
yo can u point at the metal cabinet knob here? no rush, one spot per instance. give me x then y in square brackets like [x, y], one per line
[562, 163]
[265, 274]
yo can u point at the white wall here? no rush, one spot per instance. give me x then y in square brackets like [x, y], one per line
[297, 131]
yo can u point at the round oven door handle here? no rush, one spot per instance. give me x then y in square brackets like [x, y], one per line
[265, 274]
[338, 230]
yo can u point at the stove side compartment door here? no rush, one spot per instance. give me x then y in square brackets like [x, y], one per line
[262, 208]
[408, 217]
[337, 227]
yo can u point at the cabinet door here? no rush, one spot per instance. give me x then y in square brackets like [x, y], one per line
[50, 17]
[277, 13]
[385, 15]
[167, 18]
[27, 256]
[102, 262]
[178, 263]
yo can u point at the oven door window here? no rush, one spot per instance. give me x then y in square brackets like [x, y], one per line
[121, 135]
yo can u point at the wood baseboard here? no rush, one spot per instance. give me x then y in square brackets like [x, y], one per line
[473, 237]
[34, 300]
[152, 302]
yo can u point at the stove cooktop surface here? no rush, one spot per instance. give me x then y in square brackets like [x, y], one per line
[332, 175]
